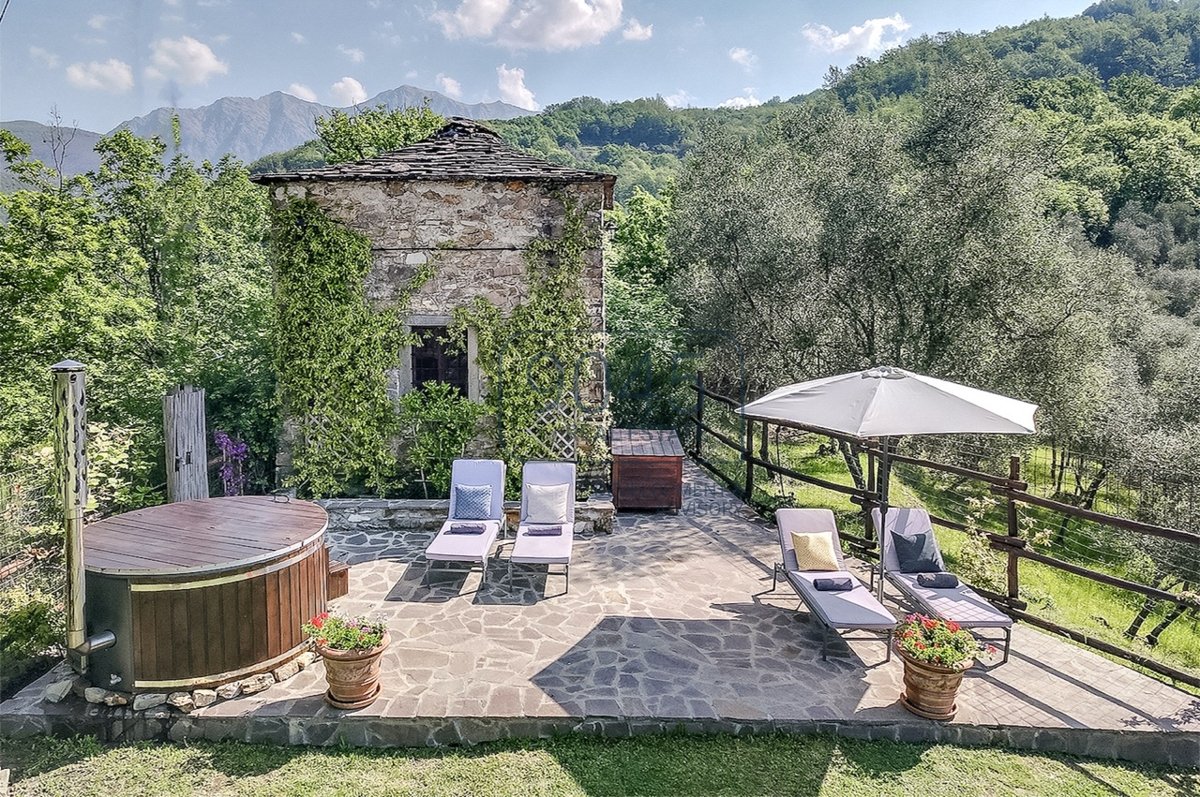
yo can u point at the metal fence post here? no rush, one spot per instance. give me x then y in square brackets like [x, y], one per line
[699, 448]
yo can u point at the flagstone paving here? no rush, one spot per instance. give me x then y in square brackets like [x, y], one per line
[667, 621]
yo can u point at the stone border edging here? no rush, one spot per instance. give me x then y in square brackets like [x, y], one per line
[120, 724]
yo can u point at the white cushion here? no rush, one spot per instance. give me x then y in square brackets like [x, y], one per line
[447, 547]
[554, 549]
[546, 503]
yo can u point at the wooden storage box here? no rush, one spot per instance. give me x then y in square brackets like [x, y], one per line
[647, 469]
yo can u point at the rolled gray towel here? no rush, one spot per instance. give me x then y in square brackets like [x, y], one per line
[554, 530]
[937, 580]
[466, 528]
[833, 584]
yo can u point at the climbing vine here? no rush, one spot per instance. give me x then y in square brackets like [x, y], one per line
[332, 353]
[540, 359]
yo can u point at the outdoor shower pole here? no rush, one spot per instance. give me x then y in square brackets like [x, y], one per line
[70, 431]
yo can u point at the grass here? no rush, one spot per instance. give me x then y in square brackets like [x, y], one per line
[657, 765]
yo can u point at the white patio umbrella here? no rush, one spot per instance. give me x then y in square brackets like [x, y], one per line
[886, 402]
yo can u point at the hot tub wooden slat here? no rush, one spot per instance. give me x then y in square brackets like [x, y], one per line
[222, 544]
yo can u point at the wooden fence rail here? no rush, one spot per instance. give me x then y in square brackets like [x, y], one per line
[1011, 488]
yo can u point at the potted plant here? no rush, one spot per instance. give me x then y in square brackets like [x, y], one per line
[935, 655]
[350, 647]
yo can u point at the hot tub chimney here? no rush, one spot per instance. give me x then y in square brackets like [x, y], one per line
[70, 430]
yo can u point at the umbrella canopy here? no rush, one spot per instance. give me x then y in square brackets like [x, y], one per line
[887, 401]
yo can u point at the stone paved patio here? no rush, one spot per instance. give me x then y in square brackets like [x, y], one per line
[663, 625]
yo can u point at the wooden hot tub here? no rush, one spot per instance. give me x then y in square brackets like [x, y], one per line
[200, 593]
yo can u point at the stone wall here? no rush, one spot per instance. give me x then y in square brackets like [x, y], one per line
[477, 231]
[395, 515]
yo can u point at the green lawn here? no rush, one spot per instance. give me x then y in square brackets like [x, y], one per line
[659, 765]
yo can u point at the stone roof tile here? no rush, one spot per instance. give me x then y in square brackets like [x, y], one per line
[461, 150]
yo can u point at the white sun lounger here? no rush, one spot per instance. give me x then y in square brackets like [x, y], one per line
[474, 548]
[542, 549]
[838, 611]
[961, 604]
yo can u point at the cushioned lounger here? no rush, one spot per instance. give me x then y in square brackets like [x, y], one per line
[477, 548]
[849, 610]
[533, 545]
[961, 604]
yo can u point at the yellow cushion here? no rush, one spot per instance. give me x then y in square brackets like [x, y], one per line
[815, 551]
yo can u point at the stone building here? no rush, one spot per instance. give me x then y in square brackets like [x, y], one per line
[474, 203]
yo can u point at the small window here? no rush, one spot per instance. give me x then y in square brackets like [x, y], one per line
[435, 359]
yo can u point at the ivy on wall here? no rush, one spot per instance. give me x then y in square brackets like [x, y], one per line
[332, 353]
[539, 358]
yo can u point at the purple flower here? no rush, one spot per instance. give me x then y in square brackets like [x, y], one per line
[234, 454]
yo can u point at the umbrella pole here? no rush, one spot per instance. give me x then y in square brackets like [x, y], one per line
[885, 476]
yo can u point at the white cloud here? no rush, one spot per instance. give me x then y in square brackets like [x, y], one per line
[97, 22]
[353, 53]
[865, 39]
[184, 59]
[43, 56]
[532, 24]
[473, 19]
[348, 91]
[302, 91]
[449, 86]
[743, 58]
[112, 75]
[636, 31]
[513, 89]
[680, 99]
[411, 74]
[747, 100]
[298, 38]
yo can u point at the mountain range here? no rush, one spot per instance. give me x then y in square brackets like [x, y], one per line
[248, 128]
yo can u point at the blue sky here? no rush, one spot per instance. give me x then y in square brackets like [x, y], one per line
[100, 63]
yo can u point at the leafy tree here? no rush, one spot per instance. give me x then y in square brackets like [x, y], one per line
[371, 131]
[436, 424]
[70, 281]
[647, 361]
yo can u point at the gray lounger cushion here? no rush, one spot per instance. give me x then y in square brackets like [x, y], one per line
[962, 604]
[856, 608]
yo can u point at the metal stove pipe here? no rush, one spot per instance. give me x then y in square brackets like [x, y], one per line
[70, 429]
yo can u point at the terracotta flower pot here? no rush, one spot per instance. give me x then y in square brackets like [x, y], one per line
[352, 675]
[930, 690]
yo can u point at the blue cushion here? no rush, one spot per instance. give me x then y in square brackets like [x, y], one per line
[917, 553]
[473, 501]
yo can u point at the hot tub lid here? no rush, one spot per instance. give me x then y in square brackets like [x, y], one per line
[212, 535]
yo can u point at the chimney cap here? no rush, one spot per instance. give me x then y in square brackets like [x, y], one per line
[68, 365]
